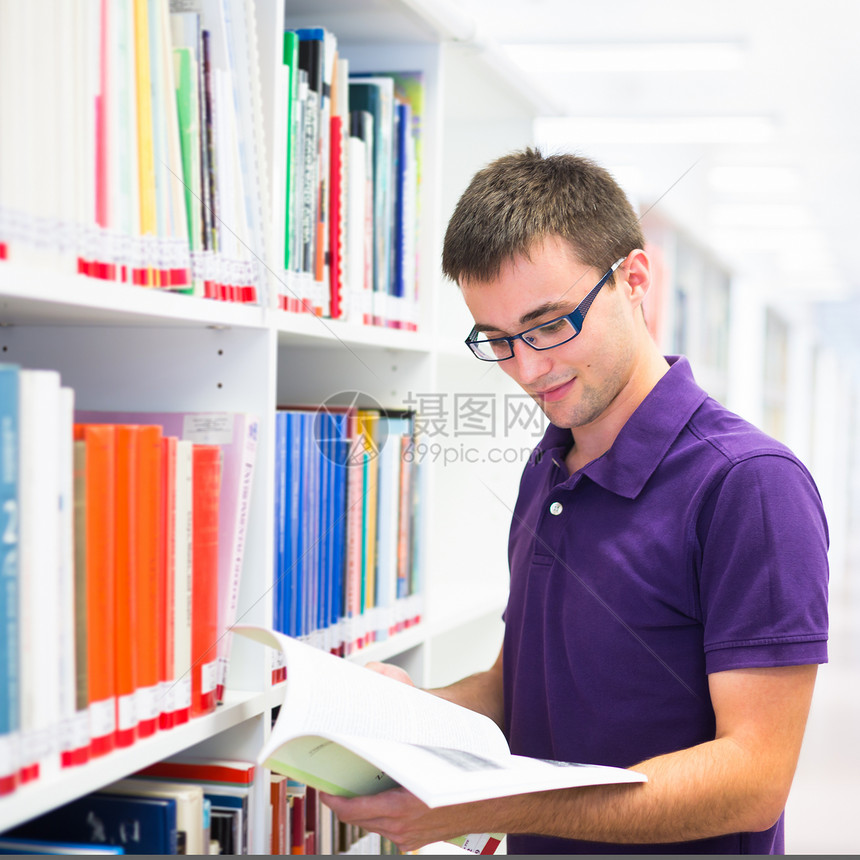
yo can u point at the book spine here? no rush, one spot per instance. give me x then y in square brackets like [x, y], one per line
[235, 506]
[9, 572]
[126, 634]
[149, 580]
[204, 617]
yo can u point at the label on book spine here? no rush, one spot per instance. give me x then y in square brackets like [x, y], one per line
[182, 694]
[126, 714]
[208, 677]
[8, 755]
[146, 703]
[102, 718]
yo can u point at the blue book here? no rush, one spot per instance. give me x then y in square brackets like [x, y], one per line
[138, 825]
[10, 845]
[9, 633]
[281, 571]
[339, 459]
[294, 556]
[403, 131]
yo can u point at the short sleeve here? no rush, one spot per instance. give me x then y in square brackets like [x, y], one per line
[763, 574]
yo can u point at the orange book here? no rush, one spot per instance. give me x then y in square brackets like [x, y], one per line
[148, 579]
[168, 559]
[204, 586]
[280, 811]
[126, 635]
[100, 480]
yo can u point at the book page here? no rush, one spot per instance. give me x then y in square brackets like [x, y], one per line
[326, 695]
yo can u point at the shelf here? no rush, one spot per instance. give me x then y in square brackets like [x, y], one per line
[66, 785]
[384, 21]
[36, 296]
[309, 330]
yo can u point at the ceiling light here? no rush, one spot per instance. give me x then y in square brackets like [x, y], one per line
[636, 57]
[665, 130]
[754, 179]
[766, 216]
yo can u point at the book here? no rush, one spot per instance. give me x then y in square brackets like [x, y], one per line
[183, 578]
[100, 467]
[204, 590]
[138, 825]
[149, 579]
[202, 769]
[9, 632]
[167, 607]
[349, 731]
[236, 434]
[79, 751]
[125, 628]
[280, 813]
[40, 569]
[20, 845]
[189, 807]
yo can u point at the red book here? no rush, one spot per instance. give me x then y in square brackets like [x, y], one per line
[336, 225]
[168, 603]
[125, 629]
[204, 589]
[100, 581]
[148, 579]
[227, 771]
[298, 824]
[280, 810]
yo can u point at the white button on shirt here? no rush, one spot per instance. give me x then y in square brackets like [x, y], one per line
[556, 508]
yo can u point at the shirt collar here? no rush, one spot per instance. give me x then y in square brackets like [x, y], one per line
[646, 437]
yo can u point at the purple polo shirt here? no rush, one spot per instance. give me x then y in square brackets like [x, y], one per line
[696, 544]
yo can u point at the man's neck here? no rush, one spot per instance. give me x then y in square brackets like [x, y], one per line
[594, 440]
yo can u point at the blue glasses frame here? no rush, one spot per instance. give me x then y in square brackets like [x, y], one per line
[576, 318]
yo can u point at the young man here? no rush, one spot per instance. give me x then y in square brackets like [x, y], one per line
[668, 597]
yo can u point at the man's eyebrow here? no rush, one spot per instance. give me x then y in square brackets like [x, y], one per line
[544, 309]
[532, 315]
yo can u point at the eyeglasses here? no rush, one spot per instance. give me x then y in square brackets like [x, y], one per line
[547, 335]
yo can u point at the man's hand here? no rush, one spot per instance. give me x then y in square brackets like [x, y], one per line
[401, 817]
[390, 671]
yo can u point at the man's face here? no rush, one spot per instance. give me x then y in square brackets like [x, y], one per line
[577, 383]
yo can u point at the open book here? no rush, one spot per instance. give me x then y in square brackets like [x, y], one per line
[349, 731]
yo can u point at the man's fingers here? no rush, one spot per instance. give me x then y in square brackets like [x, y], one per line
[390, 671]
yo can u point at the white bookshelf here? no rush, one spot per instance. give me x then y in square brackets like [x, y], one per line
[128, 348]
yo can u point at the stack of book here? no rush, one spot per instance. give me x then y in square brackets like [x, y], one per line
[345, 170]
[209, 149]
[127, 165]
[123, 540]
[346, 572]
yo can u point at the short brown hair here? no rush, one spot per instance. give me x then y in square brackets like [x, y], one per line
[525, 197]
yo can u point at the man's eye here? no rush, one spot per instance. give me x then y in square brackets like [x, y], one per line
[552, 327]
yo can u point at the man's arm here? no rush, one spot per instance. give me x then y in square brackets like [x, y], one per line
[736, 783]
[481, 692]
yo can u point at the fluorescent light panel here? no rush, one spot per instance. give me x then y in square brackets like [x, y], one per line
[648, 130]
[634, 57]
[752, 179]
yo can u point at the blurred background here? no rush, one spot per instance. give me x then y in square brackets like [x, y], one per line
[733, 126]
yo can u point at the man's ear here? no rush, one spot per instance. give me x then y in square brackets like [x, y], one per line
[636, 274]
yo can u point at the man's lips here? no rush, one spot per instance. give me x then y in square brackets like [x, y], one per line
[550, 395]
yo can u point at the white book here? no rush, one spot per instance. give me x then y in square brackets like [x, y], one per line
[357, 262]
[69, 738]
[189, 805]
[40, 565]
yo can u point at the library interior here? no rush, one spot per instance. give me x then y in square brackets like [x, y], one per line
[235, 395]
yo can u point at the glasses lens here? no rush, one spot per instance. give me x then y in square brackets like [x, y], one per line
[552, 334]
[496, 349]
